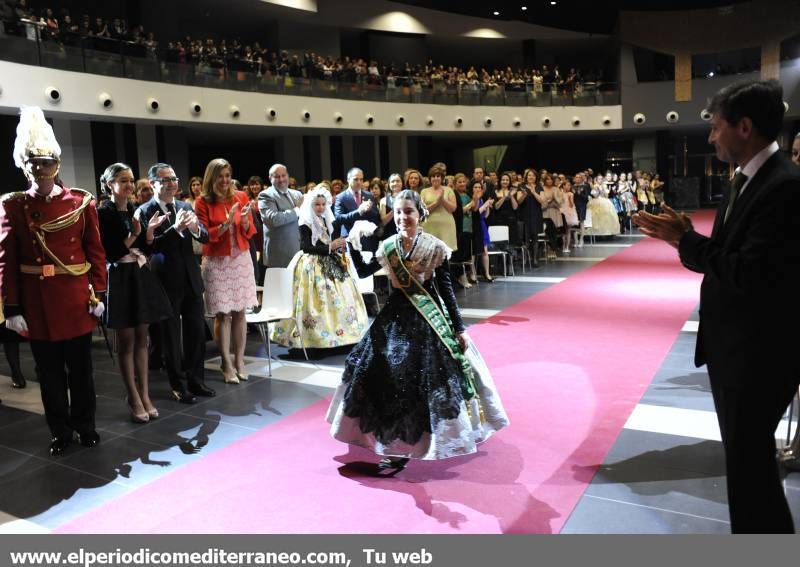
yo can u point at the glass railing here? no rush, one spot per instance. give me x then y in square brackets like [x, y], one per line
[130, 60]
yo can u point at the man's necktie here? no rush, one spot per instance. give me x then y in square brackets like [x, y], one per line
[738, 182]
[172, 213]
[358, 198]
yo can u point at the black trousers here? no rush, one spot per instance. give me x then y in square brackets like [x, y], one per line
[185, 359]
[748, 416]
[67, 384]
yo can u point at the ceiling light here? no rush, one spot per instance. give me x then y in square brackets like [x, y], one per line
[553, 3]
[496, 13]
[524, 8]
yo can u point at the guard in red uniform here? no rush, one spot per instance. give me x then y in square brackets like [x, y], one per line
[52, 280]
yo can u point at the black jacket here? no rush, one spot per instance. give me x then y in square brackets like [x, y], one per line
[171, 256]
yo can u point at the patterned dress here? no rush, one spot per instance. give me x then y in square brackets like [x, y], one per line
[327, 303]
[229, 281]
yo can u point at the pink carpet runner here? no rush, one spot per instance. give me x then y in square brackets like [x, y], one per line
[570, 362]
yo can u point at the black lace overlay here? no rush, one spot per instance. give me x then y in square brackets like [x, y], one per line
[400, 379]
[332, 267]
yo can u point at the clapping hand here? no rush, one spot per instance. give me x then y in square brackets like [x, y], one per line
[182, 220]
[232, 213]
[339, 244]
[155, 221]
[192, 223]
[246, 216]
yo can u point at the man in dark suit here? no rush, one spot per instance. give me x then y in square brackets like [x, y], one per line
[751, 266]
[169, 241]
[356, 204]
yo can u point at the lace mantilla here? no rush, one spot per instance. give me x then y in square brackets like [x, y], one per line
[427, 253]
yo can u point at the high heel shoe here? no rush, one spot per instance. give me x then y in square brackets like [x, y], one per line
[234, 379]
[137, 417]
[152, 412]
[242, 376]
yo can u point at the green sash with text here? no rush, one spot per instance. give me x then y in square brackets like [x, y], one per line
[437, 317]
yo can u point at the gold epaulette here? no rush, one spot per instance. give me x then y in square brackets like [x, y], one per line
[13, 196]
[83, 192]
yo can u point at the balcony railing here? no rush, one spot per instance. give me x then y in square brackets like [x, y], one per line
[114, 58]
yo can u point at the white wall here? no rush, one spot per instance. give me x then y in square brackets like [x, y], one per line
[23, 84]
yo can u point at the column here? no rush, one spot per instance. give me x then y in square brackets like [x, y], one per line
[77, 156]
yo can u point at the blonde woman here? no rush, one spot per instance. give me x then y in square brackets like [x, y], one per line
[227, 269]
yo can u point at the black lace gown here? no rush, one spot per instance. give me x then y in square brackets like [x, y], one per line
[401, 391]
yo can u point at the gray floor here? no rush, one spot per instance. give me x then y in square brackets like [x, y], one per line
[650, 482]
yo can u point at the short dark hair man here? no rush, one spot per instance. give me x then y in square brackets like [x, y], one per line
[170, 225]
[751, 266]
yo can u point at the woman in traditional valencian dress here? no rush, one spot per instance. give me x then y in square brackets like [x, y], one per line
[604, 216]
[414, 386]
[327, 302]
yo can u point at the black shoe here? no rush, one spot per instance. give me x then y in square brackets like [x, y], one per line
[18, 381]
[58, 445]
[183, 397]
[199, 389]
[393, 463]
[89, 439]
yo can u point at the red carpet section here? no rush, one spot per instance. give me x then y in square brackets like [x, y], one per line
[570, 362]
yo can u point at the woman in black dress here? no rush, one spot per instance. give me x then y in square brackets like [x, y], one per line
[414, 386]
[135, 297]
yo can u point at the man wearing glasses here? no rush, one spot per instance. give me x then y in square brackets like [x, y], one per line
[169, 226]
[52, 280]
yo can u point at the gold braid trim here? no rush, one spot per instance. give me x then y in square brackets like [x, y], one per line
[61, 223]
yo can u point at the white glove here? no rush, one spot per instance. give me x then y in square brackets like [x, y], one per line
[17, 324]
[97, 310]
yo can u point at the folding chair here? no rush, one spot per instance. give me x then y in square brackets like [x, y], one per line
[277, 303]
[498, 236]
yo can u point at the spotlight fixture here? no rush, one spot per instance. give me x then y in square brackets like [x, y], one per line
[370, 119]
[272, 113]
[337, 116]
[429, 121]
[639, 118]
[673, 116]
[517, 122]
[546, 121]
[152, 105]
[459, 121]
[306, 115]
[195, 108]
[53, 94]
[487, 121]
[234, 110]
[705, 115]
[576, 121]
[106, 101]
[401, 120]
